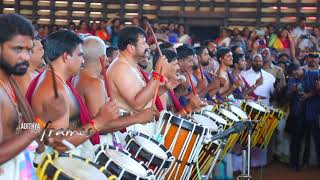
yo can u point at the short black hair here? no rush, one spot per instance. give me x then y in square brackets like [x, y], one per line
[302, 19]
[110, 50]
[169, 54]
[282, 55]
[199, 50]
[207, 42]
[166, 45]
[233, 48]
[292, 67]
[184, 52]
[14, 24]
[237, 57]
[60, 42]
[129, 35]
[222, 51]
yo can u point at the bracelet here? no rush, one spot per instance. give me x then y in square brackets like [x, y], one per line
[185, 110]
[157, 76]
[40, 122]
[94, 125]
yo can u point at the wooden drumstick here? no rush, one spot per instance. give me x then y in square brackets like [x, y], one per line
[54, 81]
[160, 54]
[192, 85]
[104, 72]
[200, 67]
[155, 38]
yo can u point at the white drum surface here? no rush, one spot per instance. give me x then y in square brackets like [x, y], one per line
[204, 121]
[238, 111]
[151, 147]
[229, 114]
[256, 106]
[78, 168]
[126, 162]
[216, 117]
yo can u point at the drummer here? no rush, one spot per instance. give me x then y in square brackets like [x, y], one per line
[16, 39]
[64, 50]
[170, 99]
[92, 89]
[213, 83]
[186, 60]
[230, 85]
[35, 61]
[126, 81]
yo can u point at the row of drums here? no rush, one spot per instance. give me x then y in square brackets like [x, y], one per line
[181, 148]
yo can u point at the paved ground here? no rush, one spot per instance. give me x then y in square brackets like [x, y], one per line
[279, 171]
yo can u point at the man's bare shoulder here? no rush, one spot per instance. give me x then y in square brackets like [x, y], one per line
[45, 89]
[89, 84]
[117, 67]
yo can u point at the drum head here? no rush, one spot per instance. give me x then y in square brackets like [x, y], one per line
[238, 112]
[126, 162]
[207, 108]
[151, 147]
[78, 168]
[229, 114]
[204, 121]
[256, 106]
[216, 117]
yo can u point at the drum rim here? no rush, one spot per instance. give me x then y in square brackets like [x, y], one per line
[146, 154]
[187, 125]
[118, 169]
[205, 114]
[256, 103]
[195, 113]
[63, 175]
[222, 110]
[236, 108]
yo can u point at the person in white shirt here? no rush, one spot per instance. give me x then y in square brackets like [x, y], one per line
[265, 90]
[302, 35]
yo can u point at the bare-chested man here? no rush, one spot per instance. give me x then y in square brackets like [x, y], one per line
[127, 85]
[16, 43]
[92, 88]
[64, 50]
[35, 61]
[229, 86]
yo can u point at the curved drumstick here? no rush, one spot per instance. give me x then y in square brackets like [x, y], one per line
[155, 38]
[192, 85]
[200, 67]
[160, 54]
[106, 84]
[54, 81]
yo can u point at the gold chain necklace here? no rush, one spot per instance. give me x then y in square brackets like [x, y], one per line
[134, 69]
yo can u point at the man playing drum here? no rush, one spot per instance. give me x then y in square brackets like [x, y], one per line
[64, 50]
[126, 81]
[16, 41]
[92, 89]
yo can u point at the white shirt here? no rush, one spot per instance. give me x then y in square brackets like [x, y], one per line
[297, 32]
[266, 88]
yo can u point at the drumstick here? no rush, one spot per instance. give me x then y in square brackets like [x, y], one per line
[200, 67]
[160, 54]
[157, 90]
[192, 85]
[68, 144]
[54, 81]
[104, 72]
[155, 38]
